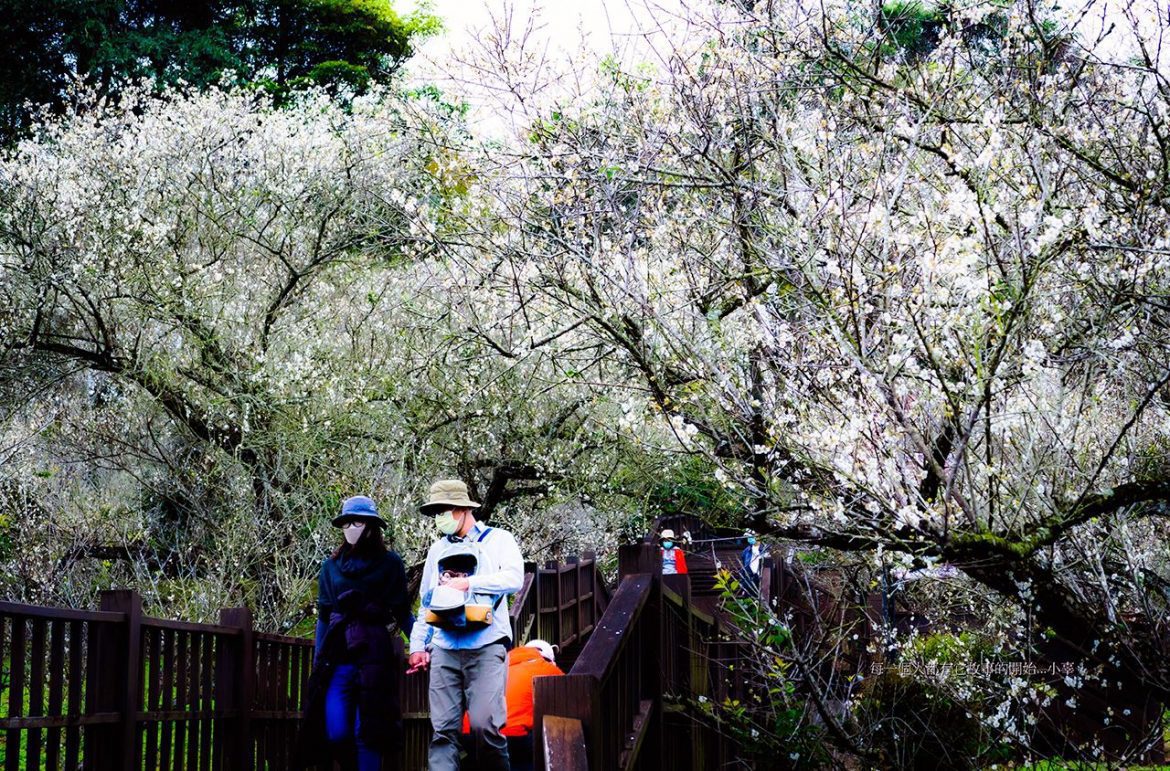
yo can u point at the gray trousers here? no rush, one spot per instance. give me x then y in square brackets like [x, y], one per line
[471, 680]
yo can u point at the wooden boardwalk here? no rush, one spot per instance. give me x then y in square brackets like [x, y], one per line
[116, 689]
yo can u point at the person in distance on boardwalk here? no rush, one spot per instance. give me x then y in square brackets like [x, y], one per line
[673, 559]
[465, 631]
[352, 711]
[752, 558]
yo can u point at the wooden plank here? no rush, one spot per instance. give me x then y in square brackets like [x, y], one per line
[297, 678]
[167, 700]
[20, 610]
[280, 685]
[563, 748]
[36, 691]
[578, 620]
[546, 596]
[520, 611]
[639, 558]
[282, 677]
[58, 721]
[699, 615]
[263, 699]
[651, 635]
[188, 626]
[182, 678]
[637, 735]
[560, 601]
[153, 693]
[206, 702]
[163, 715]
[192, 701]
[283, 639]
[290, 714]
[77, 676]
[16, 681]
[56, 691]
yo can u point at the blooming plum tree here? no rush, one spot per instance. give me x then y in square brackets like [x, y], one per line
[907, 305]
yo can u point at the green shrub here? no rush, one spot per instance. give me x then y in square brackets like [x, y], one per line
[916, 725]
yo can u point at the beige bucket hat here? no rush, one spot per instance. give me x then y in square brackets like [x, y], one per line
[447, 494]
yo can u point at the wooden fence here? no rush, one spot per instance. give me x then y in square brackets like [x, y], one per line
[115, 689]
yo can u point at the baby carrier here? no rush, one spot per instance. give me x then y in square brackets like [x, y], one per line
[454, 610]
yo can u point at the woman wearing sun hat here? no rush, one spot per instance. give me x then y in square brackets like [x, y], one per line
[353, 712]
[673, 559]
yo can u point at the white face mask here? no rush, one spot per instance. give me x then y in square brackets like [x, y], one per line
[353, 532]
[447, 523]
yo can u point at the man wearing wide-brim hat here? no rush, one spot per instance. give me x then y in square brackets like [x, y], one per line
[468, 667]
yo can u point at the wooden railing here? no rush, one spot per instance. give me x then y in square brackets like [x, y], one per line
[636, 682]
[115, 689]
[559, 602]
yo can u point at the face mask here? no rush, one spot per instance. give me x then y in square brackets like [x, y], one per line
[752, 541]
[447, 523]
[354, 532]
[668, 544]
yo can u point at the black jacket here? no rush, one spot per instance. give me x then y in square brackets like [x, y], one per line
[357, 599]
[382, 580]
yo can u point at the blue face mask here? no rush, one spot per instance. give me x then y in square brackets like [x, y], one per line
[751, 541]
[668, 544]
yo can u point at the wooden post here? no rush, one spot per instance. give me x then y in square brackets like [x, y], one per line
[532, 569]
[594, 611]
[554, 567]
[564, 747]
[651, 663]
[769, 586]
[118, 682]
[235, 687]
[567, 696]
[578, 625]
[634, 558]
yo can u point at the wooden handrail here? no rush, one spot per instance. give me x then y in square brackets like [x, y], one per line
[614, 686]
[680, 602]
[189, 626]
[64, 614]
[521, 597]
[521, 609]
[609, 639]
[283, 639]
[652, 654]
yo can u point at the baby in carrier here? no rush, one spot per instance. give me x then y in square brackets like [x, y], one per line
[446, 607]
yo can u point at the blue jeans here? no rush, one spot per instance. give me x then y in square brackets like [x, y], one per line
[342, 721]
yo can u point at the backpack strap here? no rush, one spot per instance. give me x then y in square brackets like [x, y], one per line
[499, 597]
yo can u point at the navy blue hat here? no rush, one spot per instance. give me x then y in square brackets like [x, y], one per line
[358, 507]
